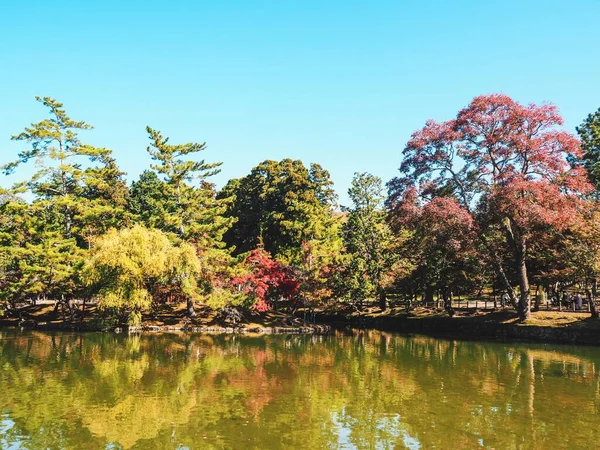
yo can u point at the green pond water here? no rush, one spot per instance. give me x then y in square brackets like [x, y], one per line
[360, 389]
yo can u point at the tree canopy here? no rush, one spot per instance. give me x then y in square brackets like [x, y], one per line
[500, 199]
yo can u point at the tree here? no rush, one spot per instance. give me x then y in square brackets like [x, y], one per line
[285, 207]
[368, 240]
[268, 281]
[190, 210]
[503, 161]
[573, 256]
[589, 133]
[78, 193]
[104, 197]
[128, 268]
[441, 246]
[36, 260]
[187, 203]
[289, 210]
[147, 202]
[58, 151]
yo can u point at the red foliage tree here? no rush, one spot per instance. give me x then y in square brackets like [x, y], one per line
[268, 280]
[441, 245]
[505, 162]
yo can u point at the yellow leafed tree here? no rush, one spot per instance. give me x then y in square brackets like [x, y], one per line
[128, 267]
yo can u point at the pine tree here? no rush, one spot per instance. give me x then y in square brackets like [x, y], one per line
[103, 200]
[78, 193]
[192, 210]
[368, 240]
[189, 206]
[147, 202]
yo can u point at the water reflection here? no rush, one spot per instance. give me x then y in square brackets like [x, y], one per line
[357, 390]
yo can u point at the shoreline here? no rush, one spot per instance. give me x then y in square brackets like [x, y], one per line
[501, 325]
[148, 328]
[498, 326]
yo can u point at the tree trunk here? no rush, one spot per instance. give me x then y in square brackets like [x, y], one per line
[538, 298]
[191, 312]
[592, 299]
[71, 306]
[524, 301]
[519, 245]
[500, 270]
[447, 296]
[382, 299]
[429, 296]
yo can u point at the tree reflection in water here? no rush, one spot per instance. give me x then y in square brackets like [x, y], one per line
[362, 389]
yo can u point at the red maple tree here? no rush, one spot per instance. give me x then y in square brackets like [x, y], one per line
[269, 280]
[505, 163]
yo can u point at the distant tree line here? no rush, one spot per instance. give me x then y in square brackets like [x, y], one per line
[500, 197]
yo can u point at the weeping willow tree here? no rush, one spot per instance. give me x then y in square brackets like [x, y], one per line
[130, 268]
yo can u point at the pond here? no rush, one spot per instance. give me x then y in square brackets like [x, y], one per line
[359, 389]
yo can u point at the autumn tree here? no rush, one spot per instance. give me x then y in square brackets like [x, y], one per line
[440, 246]
[503, 160]
[267, 281]
[289, 210]
[573, 256]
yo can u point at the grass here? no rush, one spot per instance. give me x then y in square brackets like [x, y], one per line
[552, 319]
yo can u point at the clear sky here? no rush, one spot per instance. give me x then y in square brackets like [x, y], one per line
[341, 83]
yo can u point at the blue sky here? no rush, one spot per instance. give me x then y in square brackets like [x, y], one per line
[341, 83]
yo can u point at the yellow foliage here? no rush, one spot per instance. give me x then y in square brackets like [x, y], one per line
[126, 265]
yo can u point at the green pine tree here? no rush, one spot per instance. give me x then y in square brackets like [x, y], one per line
[368, 240]
[190, 207]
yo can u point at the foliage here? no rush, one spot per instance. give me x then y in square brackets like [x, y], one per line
[127, 268]
[192, 211]
[589, 133]
[507, 164]
[282, 206]
[82, 197]
[268, 281]
[497, 197]
[369, 241]
[440, 245]
[147, 202]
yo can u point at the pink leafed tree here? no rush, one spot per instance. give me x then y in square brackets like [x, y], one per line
[505, 163]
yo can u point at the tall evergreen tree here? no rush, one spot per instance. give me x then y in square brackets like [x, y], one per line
[59, 153]
[192, 209]
[104, 198]
[589, 133]
[188, 206]
[281, 206]
[368, 240]
[147, 202]
[78, 192]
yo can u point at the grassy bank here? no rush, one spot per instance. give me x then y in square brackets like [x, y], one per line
[543, 326]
